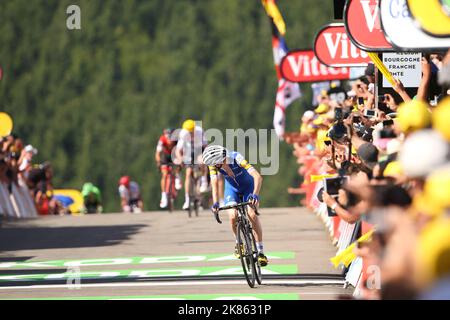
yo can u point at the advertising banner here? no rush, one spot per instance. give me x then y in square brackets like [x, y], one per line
[362, 23]
[333, 48]
[402, 31]
[303, 66]
[432, 16]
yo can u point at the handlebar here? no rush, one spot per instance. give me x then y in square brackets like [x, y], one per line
[235, 206]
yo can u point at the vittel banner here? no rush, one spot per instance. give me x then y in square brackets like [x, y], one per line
[303, 66]
[362, 23]
[333, 48]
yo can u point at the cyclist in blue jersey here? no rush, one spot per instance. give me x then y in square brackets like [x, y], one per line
[241, 178]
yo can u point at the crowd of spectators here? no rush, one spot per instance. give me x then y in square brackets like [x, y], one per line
[17, 166]
[390, 162]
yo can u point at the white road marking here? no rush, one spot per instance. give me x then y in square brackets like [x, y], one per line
[175, 283]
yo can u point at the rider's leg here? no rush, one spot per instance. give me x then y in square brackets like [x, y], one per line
[178, 184]
[257, 231]
[256, 223]
[163, 180]
[232, 197]
[187, 185]
[163, 202]
[232, 215]
[204, 178]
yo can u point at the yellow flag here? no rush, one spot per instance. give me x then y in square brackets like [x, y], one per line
[273, 12]
[315, 178]
[347, 255]
[379, 64]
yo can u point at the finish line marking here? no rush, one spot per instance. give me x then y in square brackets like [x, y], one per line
[137, 260]
[149, 273]
[179, 283]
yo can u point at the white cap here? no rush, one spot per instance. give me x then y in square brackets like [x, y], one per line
[351, 93]
[308, 115]
[30, 148]
[422, 152]
[393, 146]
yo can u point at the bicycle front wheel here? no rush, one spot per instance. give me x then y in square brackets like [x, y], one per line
[246, 255]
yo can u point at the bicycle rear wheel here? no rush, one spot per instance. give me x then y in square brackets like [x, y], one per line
[246, 255]
[196, 207]
[255, 259]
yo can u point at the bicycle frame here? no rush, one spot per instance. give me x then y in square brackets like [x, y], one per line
[194, 191]
[246, 242]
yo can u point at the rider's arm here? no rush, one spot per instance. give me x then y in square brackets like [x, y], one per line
[123, 202]
[179, 148]
[214, 184]
[159, 149]
[257, 180]
[123, 196]
[157, 157]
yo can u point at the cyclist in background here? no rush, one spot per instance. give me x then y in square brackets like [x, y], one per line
[191, 141]
[130, 196]
[92, 198]
[163, 158]
[241, 178]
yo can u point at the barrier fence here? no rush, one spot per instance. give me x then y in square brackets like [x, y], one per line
[343, 235]
[16, 201]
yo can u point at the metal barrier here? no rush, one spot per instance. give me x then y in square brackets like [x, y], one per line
[16, 201]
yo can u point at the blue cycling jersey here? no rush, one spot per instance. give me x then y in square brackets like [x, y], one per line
[240, 167]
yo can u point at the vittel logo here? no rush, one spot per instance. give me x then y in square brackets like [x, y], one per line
[334, 48]
[371, 14]
[304, 65]
[338, 43]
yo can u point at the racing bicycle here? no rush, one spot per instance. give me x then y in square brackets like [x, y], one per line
[248, 253]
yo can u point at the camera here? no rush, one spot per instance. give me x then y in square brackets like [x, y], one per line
[387, 133]
[338, 114]
[365, 133]
[332, 185]
[338, 131]
[387, 123]
[370, 113]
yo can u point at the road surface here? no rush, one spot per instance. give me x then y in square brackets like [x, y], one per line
[158, 255]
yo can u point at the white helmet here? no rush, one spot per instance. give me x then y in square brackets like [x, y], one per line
[422, 152]
[214, 154]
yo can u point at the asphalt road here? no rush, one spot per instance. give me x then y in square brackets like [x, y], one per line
[157, 255]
